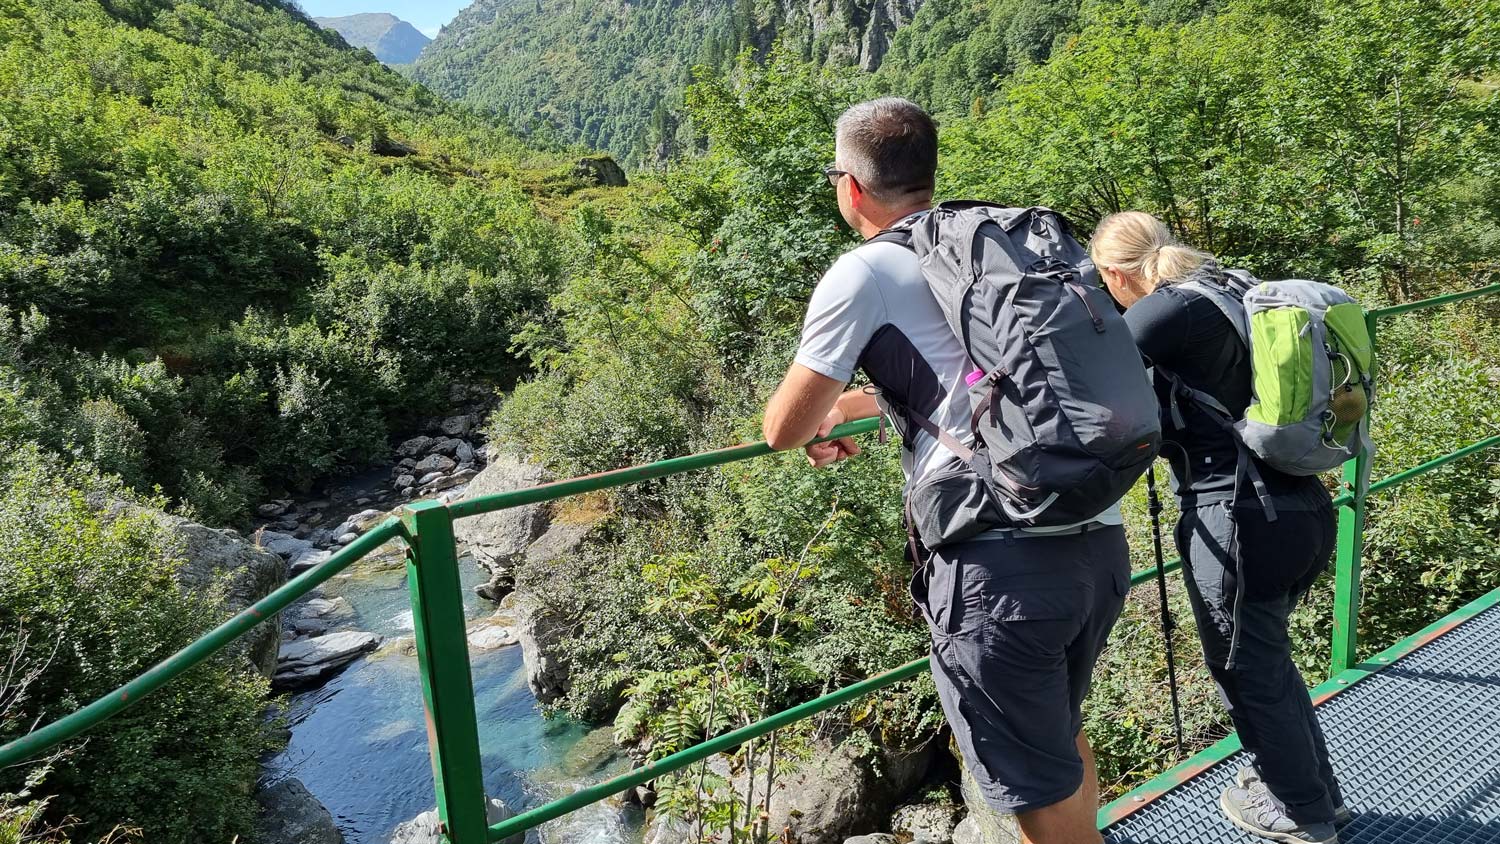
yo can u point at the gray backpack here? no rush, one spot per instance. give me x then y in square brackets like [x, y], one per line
[1312, 365]
[1064, 417]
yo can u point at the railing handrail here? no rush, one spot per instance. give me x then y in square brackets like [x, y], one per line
[75, 723]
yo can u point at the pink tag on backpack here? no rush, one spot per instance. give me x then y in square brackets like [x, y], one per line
[974, 377]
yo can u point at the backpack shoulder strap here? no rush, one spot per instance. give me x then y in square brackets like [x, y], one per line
[900, 237]
[900, 232]
[1229, 303]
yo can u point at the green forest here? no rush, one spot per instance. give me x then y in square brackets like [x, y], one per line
[238, 258]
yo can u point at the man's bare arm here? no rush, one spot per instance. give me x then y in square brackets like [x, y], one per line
[808, 405]
[799, 407]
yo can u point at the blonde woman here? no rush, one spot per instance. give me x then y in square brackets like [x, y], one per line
[1244, 573]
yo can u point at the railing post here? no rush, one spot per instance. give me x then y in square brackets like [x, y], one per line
[437, 609]
[1351, 545]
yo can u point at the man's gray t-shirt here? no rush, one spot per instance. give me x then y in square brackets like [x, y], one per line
[873, 310]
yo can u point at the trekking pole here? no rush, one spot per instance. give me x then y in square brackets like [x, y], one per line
[1153, 504]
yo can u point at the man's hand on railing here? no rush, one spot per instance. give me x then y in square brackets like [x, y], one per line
[823, 454]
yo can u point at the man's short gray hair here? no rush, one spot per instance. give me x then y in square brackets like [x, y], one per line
[890, 147]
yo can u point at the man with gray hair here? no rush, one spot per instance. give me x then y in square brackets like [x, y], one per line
[1018, 616]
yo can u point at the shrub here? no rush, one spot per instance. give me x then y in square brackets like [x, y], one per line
[89, 600]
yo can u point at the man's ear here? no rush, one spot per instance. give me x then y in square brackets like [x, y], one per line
[856, 192]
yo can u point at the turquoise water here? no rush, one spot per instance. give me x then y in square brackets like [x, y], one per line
[360, 746]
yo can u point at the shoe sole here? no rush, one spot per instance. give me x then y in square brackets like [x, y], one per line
[1266, 833]
[1341, 815]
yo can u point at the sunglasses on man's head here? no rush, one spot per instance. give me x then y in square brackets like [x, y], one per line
[832, 174]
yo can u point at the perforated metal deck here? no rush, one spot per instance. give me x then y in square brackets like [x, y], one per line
[1416, 748]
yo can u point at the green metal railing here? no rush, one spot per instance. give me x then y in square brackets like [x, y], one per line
[442, 648]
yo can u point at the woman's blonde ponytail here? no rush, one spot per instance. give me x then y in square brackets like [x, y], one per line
[1142, 246]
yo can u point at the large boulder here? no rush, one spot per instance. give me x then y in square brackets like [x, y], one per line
[289, 814]
[541, 630]
[600, 170]
[498, 540]
[840, 791]
[502, 536]
[931, 822]
[308, 662]
[560, 540]
[541, 624]
[424, 828]
[215, 560]
[434, 463]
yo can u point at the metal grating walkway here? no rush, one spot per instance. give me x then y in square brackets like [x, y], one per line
[1416, 748]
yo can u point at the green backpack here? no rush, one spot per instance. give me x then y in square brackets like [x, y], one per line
[1312, 372]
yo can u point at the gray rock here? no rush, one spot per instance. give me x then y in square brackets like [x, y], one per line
[933, 822]
[444, 445]
[289, 814]
[307, 662]
[283, 544]
[414, 447]
[308, 627]
[244, 572]
[500, 587]
[458, 426]
[320, 504]
[541, 630]
[346, 538]
[600, 170]
[434, 463]
[443, 482]
[313, 520]
[665, 830]
[325, 607]
[983, 825]
[429, 478]
[357, 523]
[840, 791]
[491, 637]
[270, 511]
[423, 829]
[500, 538]
[837, 792]
[463, 452]
[306, 560]
[561, 539]
[873, 838]
[405, 482]
[541, 627]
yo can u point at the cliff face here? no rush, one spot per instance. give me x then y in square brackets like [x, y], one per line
[392, 40]
[607, 74]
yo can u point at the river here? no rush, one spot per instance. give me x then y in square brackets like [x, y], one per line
[360, 746]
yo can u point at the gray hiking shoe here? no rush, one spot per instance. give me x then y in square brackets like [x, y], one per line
[1256, 811]
[1249, 779]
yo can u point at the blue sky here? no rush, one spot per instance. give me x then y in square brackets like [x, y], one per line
[426, 15]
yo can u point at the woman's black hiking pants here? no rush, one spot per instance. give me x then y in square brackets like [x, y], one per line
[1245, 574]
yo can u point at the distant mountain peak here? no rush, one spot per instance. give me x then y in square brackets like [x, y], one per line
[391, 39]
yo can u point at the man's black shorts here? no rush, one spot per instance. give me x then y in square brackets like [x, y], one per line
[1017, 624]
